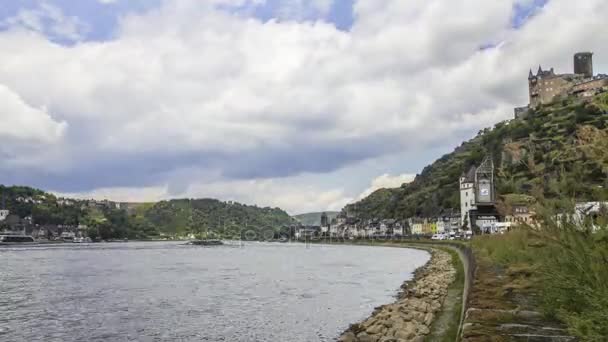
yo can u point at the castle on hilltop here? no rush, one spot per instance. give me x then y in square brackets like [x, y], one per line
[546, 85]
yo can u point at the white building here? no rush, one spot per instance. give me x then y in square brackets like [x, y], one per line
[398, 229]
[467, 197]
[4, 214]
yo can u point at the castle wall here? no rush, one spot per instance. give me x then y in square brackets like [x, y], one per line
[544, 89]
[588, 88]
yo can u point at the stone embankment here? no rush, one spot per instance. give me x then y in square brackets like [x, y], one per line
[411, 316]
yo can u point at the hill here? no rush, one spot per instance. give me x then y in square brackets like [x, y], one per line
[314, 219]
[212, 217]
[549, 153]
[173, 218]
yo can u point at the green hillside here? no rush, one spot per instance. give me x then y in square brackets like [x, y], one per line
[550, 153]
[174, 218]
[213, 217]
[314, 219]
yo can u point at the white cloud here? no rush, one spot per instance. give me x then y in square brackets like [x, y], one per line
[386, 181]
[21, 122]
[188, 86]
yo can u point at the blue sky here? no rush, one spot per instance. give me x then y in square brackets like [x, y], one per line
[147, 99]
[101, 17]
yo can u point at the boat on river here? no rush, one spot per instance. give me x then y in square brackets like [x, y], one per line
[206, 242]
[16, 239]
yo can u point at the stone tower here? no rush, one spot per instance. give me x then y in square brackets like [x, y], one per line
[324, 220]
[583, 63]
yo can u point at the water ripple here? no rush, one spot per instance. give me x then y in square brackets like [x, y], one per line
[166, 291]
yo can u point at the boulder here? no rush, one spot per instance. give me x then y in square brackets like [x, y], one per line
[364, 337]
[348, 337]
[407, 332]
[423, 329]
[428, 319]
[375, 329]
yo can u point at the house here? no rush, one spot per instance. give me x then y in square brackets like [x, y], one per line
[417, 225]
[398, 229]
[591, 210]
[4, 214]
[520, 214]
[304, 232]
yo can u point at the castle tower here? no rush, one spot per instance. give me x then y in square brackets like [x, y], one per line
[467, 197]
[484, 183]
[583, 63]
[324, 220]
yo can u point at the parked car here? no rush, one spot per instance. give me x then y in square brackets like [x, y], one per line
[438, 237]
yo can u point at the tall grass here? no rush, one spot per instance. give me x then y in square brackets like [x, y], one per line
[575, 273]
[570, 260]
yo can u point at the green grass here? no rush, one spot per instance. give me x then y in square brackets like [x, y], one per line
[453, 314]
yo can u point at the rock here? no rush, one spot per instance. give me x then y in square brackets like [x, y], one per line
[428, 319]
[364, 337]
[418, 339]
[408, 331]
[369, 323]
[387, 339]
[348, 337]
[423, 329]
[375, 329]
[418, 317]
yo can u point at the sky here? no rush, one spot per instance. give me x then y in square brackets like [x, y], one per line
[305, 105]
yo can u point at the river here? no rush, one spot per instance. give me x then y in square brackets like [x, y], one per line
[159, 291]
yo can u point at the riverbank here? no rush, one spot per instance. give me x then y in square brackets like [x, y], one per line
[421, 300]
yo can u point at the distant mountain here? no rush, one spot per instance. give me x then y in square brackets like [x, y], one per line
[173, 218]
[552, 152]
[314, 219]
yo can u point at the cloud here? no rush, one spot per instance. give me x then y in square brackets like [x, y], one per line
[190, 93]
[27, 134]
[387, 181]
[283, 193]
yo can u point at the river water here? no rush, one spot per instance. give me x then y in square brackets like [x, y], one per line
[170, 292]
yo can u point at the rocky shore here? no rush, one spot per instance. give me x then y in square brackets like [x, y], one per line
[411, 316]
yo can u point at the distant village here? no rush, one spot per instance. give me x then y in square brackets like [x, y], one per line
[12, 223]
[478, 214]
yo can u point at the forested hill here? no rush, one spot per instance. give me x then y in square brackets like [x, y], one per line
[210, 216]
[551, 153]
[173, 218]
